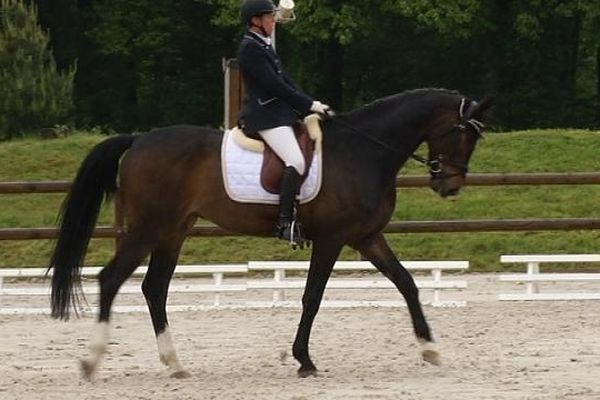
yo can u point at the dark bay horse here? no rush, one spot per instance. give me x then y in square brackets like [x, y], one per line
[171, 176]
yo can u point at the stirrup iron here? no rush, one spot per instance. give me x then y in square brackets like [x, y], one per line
[297, 238]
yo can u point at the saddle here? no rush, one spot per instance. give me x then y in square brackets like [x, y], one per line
[272, 166]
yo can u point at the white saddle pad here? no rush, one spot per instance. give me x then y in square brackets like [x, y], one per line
[241, 171]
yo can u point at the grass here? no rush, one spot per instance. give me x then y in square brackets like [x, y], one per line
[526, 151]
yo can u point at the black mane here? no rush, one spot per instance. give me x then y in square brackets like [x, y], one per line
[396, 100]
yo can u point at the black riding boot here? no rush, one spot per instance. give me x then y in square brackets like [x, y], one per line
[287, 227]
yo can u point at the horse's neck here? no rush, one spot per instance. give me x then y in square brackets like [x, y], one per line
[352, 149]
[396, 135]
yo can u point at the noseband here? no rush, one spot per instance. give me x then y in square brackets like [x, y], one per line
[436, 164]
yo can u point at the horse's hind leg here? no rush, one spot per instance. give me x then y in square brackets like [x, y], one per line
[129, 255]
[324, 254]
[376, 250]
[155, 287]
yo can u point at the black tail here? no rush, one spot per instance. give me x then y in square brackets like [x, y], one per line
[95, 180]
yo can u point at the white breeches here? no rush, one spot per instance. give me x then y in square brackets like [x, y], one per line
[284, 144]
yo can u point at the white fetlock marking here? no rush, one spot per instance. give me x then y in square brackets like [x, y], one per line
[98, 344]
[429, 346]
[166, 350]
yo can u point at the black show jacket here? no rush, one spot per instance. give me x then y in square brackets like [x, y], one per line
[272, 98]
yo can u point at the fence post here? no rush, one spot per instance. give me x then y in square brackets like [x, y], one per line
[533, 268]
[218, 279]
[437, 279]
[234, 92]
[279, 276]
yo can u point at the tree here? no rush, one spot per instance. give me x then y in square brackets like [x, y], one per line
[156, 62]
[538, 57]
[33, 93]
[169, 60]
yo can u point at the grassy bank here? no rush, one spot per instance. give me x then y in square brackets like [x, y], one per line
[527, 151]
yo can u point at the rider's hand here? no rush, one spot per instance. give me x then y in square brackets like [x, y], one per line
[319, 107]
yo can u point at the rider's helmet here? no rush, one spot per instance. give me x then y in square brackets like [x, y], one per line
[255, 8]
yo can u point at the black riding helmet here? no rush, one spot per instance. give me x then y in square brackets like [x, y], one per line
[255, 8]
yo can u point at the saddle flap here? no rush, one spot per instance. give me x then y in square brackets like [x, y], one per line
[272, 166]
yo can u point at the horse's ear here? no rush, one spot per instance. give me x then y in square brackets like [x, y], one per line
[482, 107]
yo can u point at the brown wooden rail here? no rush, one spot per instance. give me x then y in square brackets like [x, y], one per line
[480, 225]
[571, 178]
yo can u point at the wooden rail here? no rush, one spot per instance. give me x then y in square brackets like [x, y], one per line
[219, 287]
[533, 278]
[574, 178]
[479, 225]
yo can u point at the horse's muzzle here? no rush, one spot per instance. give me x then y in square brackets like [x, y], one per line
[446, 187]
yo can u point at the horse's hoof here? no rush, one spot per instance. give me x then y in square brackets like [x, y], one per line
[87, 369]
[181, 374]
[304, 373]
[432, 357]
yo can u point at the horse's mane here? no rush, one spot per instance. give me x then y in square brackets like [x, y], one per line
[396, 100]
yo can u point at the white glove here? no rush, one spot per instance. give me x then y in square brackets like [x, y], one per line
[319, 107]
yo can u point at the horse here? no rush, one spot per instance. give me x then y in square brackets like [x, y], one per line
[169, 177]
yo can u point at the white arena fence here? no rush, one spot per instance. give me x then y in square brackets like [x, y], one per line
[533, 278]
[245, 278]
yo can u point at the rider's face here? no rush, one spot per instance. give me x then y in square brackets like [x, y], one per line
[266, 21]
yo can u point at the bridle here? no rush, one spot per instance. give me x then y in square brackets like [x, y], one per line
[436, 164]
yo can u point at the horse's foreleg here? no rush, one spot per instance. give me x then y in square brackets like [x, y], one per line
[322, 260]
[376, 250]
[129, 255]
[155, 288]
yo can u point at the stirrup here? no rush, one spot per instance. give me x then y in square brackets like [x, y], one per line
[293, 233]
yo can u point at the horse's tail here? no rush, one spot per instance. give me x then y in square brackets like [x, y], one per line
[95, 180]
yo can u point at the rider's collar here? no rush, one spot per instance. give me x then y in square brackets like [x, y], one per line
[265, 39]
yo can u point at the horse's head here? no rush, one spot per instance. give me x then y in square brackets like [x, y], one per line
[451, 140]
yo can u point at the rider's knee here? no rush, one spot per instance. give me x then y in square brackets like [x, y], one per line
[298, 164]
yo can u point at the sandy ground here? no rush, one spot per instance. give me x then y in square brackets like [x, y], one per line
[490, 350]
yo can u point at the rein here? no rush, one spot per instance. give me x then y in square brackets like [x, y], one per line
[378, 142]
[435, 165]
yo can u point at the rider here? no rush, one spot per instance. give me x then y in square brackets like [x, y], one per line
[272, 104]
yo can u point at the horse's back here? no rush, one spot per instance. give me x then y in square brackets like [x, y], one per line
[179, 136]
[164, 168]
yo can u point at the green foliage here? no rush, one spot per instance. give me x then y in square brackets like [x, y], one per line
[33, 93]
[450, 18]
[159, 62]
[168, 60]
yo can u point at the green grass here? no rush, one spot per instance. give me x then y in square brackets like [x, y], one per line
[527, 151]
